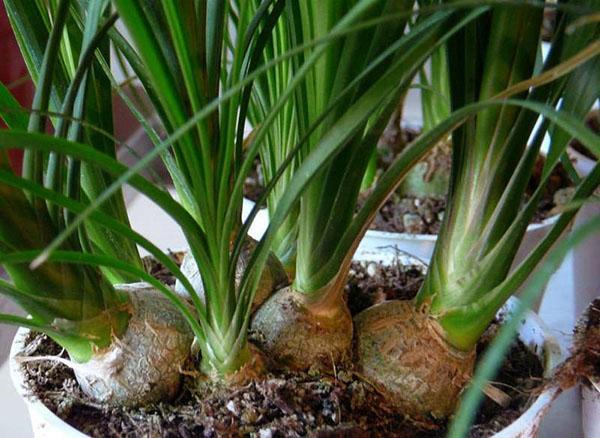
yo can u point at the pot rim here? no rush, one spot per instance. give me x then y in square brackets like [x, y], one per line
[546, 223]
[33, 403]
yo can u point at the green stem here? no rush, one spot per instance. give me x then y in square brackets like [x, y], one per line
[33, 161]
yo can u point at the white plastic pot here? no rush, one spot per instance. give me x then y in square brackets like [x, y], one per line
[260, 222]
[586, 263]
[590, 412]
[532, 332]
[44, 422]
[586, 266]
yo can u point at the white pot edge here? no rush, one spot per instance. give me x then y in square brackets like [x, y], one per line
[43, 421]
[420, 245]
[393, 238]
[529, 422]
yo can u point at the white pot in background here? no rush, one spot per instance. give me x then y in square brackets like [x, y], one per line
[586, 263]
[261, 221]
[586, 269]
[532, 332]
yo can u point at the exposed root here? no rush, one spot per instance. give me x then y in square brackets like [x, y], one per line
[398, 348]
[58, 359]
[497, 395]
[273, 276]
[143, 366]
[295, 336]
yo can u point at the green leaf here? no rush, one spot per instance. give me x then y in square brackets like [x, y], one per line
[490, 362]
[11, 111]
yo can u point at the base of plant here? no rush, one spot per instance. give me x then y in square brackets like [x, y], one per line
[294, 335]
[397, 348]
[249, 365]
[273, 276]
[280, 403]
[144, 365]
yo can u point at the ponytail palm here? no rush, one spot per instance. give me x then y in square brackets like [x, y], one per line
[334, 72]
[432, 340]
[342, 105]
[60, 291]
[90, 97]
[201, 83]
[103, 328]
[191, 63]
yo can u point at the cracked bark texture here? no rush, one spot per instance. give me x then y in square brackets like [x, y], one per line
[144, 365]
[297, 337]
[399, 349]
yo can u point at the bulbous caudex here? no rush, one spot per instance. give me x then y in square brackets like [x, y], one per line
[144, 364]
[300, 334]
[399, 348]
[273, 276]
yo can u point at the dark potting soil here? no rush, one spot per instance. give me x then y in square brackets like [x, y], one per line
[548, 24]
[587, 341]
[284, 403]
[254, 185]
[159, 271]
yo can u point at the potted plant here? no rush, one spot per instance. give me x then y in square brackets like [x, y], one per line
[469, 278]
[202, 102]
[469, 272]
[77, 304]
[434, 104]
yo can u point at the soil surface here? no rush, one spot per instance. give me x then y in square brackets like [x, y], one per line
[283, 404]
[548, 24]
[254, 185]
[157, 269]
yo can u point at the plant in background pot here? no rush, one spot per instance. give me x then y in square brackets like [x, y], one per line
[469, 279]
[103, 328]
